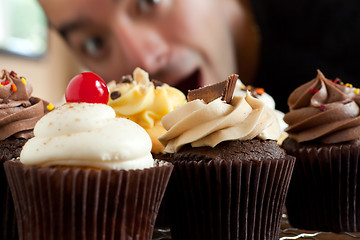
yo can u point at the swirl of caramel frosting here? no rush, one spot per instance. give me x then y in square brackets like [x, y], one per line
[18, 110]
[324, 111]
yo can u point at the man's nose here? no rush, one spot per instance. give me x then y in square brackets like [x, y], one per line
[141, 45]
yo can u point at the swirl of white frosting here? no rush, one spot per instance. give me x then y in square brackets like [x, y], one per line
[204, 124]
[267, 99]
[88, 135]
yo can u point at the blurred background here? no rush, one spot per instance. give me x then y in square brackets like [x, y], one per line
[30, 49]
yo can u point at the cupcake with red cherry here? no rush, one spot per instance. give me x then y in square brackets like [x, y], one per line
[87, 174]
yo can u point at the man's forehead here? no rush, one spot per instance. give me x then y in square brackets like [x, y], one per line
[60, 12]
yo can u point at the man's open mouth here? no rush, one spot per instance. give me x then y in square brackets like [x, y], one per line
[193, 81]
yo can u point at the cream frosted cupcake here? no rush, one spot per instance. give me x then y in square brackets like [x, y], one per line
[87, 174]
[230, 177]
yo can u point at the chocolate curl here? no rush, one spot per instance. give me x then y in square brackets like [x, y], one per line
[224, 89]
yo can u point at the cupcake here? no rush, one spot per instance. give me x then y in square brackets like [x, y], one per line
[145, 102]
[87, 174]
[19, 112]
[324, 136]
[230, 177]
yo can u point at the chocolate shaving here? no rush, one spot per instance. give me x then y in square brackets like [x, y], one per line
[115, 94]
[157, 83]
[127, 79]
[224, 89]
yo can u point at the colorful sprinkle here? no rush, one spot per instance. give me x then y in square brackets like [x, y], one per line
[5, 83]
[13, 74]
[357, 91]
[314, 90]
[337, 80]
[322, 107]
[23, 80]
[348, 85]
[259, 91]
[50, 107]
[13, 87]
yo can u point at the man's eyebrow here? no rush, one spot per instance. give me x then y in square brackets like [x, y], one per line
[67, 28]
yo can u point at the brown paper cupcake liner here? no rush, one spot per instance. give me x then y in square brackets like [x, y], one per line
[10, 148]
[162, 220]
[228, 199]
[324, 190]
[8, 229]
[76, 203]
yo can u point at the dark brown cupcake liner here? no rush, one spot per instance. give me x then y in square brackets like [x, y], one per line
[8, 229]
[10, 148]
[228, 199]
[75, 203]
[162, 220]
[324, 192]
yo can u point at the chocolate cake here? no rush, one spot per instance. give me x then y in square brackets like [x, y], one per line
[251, 150]
[11, 148]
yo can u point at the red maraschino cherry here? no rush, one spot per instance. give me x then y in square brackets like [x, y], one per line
[87, 87]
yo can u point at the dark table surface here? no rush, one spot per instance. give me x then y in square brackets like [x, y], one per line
[287, 233]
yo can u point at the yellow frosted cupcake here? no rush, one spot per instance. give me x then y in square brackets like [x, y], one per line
[144, 102]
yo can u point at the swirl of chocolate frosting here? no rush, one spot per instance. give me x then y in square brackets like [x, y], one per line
[18, 110]
[324, 111]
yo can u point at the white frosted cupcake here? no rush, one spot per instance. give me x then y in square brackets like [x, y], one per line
[87, 175]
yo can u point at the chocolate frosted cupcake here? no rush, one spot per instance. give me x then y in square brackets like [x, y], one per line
[230, 177]
[18, 114]
[87, 174]
[324, 135]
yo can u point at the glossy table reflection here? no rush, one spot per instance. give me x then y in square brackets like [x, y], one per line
[287, 233]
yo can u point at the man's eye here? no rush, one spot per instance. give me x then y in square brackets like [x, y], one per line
[94, 46]
[146, 5]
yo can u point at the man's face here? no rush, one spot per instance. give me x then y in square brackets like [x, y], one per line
[185, 43]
